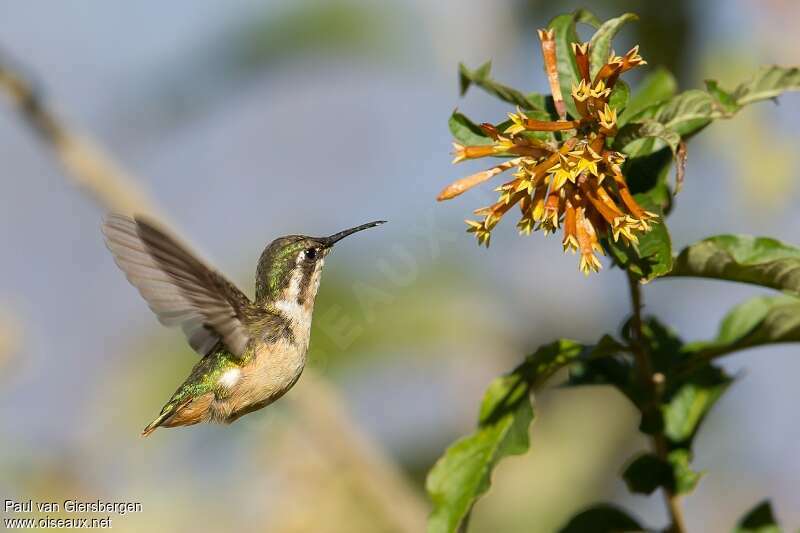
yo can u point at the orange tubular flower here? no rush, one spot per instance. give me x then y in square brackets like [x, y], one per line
[581, 52]
[570, 241]
[547, 38]
[465, 184]
[575, 183]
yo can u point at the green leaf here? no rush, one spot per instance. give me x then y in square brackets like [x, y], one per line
[619, 96]
[600, 43]
[565, 35]
[465, 131]
[616, 367]
[685, 401]
[689, 112]
[546, 136]
[605, 347]
[663, 345]
[617, 371]
[725, 99]
[687, 397]
[602, 518]
[584, 16]
[683, 478]
[769, 82]
[630, 138]
[646, 473]
[463, 473]
[760, 519]
[481, 77]
[550, 358]
[652, 257]
[657, 86]
[546, 103]
[641, 139]
[762, 320]
[648, 179]
[690, 400]
[662, 342]
[467, 77]
[757, 260]
[685, 113]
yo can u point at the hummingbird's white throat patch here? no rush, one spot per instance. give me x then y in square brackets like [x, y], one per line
[289, 304]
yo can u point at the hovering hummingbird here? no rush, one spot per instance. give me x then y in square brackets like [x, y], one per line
[252, 352]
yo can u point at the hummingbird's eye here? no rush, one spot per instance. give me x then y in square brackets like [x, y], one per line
[310, 254]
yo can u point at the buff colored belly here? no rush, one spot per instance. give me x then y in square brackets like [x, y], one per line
[273, 371]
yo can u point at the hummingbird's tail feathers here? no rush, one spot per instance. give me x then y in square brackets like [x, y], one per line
[167, 412]
[155, 424]
[186, 412]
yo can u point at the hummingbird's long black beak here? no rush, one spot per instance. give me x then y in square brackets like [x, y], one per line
[333, 239]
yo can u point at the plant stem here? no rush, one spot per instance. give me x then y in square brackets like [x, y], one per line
[651, 382]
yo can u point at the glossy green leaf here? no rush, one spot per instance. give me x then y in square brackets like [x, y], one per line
[602, 518]
[652, 257]
[482, 78]
[463, 473]
[762, 320]
[657, 87]
[687, 112]
[600, 43]
[564, 27]
[769, 82]
[631, 137]
[691, 111]
[760, 519]
[758, 260]
[465, 131]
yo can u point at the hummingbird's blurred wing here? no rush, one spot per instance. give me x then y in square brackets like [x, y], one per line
[179, 288]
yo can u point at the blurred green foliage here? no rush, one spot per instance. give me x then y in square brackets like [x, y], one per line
[317, 27]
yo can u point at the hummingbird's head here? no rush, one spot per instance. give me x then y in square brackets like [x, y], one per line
[290, 268]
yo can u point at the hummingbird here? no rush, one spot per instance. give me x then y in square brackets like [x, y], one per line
[252, 352]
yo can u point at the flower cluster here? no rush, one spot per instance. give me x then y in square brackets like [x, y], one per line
[572, 181]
